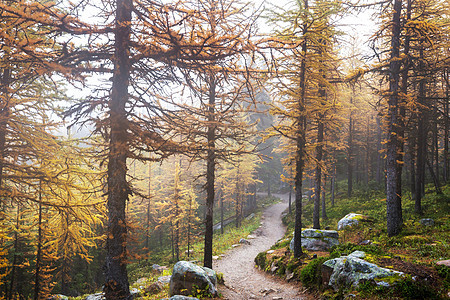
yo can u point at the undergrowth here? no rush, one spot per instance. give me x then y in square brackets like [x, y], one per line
[415, 250]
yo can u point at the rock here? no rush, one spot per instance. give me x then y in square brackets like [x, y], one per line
[58, 297]
[158, 268]
[289, 275]
[164, 279]
[251, 216]
[365, 242]
[277, 298]
[357, 254]
[141, 281]
[350, 220]
[134, 292]
[273, 267]
[251, 236]
[267, 291]
[180, 297]
[186, 275]
[427, 222]
[444, 263]
[317, 240]
[270, 251]
[98, 296]
[215, 257]
[351, 269]
[235, 245]
[244, 241]
[154, 288]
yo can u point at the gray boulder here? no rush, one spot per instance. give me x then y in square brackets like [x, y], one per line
[350, 220]
[317, 240]
[164, 279]
[244, 241]
[98, 296]
[180, 297]
[58, 297]
[351, 269]
[427, 222]
[186, 275]
[134, 292]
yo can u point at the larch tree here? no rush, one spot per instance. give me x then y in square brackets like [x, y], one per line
[209, 118]
[302, 46]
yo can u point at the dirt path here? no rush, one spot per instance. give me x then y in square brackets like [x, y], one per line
[242, 279]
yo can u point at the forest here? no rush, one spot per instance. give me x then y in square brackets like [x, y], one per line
[140, 132]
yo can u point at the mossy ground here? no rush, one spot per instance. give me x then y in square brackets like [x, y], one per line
[414, 251]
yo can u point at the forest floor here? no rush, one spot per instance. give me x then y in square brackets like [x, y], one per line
[242, 279]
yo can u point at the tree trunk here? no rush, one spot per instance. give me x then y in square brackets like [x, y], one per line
[436, 145]
[333, 184]
[210, 174]
[300, 148]
[290, 198]
[147, 234]
[393, 146]
[221, 211]
[435, 179]
[5, 111]
[412, 162]
[350, 148]
[318, 176]
[16, 250]
[379, 157]
[367, 156]
[446, 127]
[116, 286]
[37, 273]
[422, 132]
[324, 209]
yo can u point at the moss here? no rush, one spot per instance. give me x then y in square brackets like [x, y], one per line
[311, 275]
[391, 279]
[260, 260]
[416, 239]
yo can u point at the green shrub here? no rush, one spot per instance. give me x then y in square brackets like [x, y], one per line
[410, 289]
[311, 275]
[444, 273]
[260, 260]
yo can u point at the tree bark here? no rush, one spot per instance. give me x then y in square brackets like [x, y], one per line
[147, 234]
[290, 198]
[333, 184]
[4, 117]
[300, 147]
[210, 174]
[422, 132]
[117, 286]
[350, 148]
[393, 146]
[379, 157]
[446, 126]
[37, 273]
[318, 175]
[221, 212]
[324, 209]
